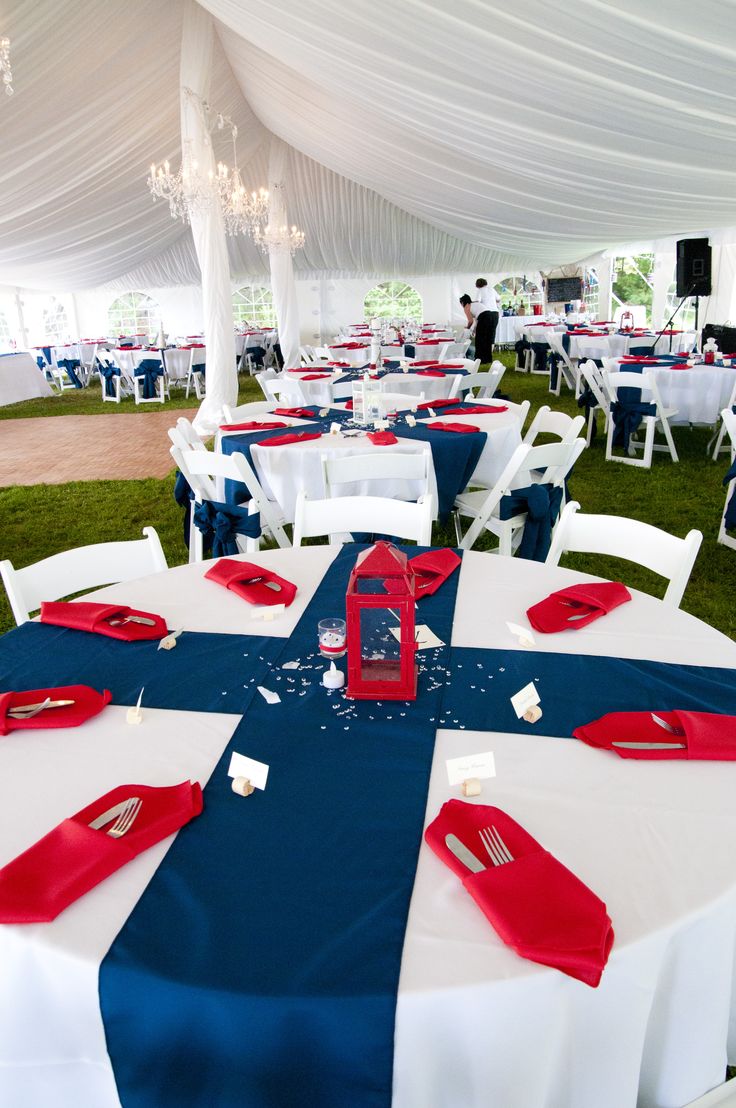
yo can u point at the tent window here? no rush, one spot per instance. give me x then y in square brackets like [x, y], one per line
[591, 291]
[55, 322]
[633, 284]
[134, 313]
[4, 332]
[393, 300]
[685, 318]
[518, 293]
[254, 304]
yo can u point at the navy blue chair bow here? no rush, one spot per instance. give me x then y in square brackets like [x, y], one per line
[588, 401]
[109, 372]
[542, 505]
[150, 369]
[627, 415]
[730, 518]
[71, 365]
[220, 525]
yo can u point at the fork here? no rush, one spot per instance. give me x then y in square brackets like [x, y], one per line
[125, 820]
[497, 850]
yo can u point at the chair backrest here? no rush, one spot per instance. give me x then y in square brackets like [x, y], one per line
[594, 380]
[363, 469]
[283, 390]
[375, 514]
[472, 365]
[483, 386]
[398, 401]
[621, 537]
[623, 379]
[262, 377]
[547, 422]
[245, 411]
[729, 422]
[554, 338]
[200, 467]
[86, 567]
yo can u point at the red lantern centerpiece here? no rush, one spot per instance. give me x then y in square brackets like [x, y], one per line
[626, 323]
[380, 626]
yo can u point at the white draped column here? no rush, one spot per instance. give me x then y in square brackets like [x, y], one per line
[208, 230]
[283, 286]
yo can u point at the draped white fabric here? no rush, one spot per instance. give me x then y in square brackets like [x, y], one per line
[282, 269]
[208, 231]
[424, 137]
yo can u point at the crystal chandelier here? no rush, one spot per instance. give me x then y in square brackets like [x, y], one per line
[189, 193]
[271, 236]
[5, 69]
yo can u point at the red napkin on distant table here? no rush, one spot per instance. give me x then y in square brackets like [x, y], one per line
[456, 428]
[680, 365]
[295, 413]
[316, 377]
[432, 569]
[87, 703]
[349, 405]
[708, 736]
[254, 583]
[577, 606]
[443, 402]
[252, 425]
[83, 615]
[534, 903]
[430, 373]
[339, 365]
[639, 359]
[415, 365]
[290, 440]
[382, 438]
[45, 879]
[481, 409]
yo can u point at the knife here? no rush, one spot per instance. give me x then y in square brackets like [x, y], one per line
[20, 710]
[132, 619]
[461, 852]
[650, 746]
[111, 813]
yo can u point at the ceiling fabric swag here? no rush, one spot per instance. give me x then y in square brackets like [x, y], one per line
[282, 268]
[208, 228]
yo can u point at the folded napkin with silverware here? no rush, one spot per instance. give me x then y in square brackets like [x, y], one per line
[290, 440]
[65, 706]
[116, 621]
[706, 736]
[468, 408]
[430, 373]
[256, 584]
[317, 377]
[382, 438]
[442, 402]
[431, 569]
[455, 428]
[534, 903]
[576, 606]
[253, 425]
[87, 847]
[295, 413]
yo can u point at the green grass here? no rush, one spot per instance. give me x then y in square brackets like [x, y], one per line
[42, 519]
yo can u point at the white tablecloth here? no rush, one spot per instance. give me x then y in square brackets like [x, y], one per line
[699, 394]
[330, 388]
[285, 470]
[510, 327]
[476, 1025]
[612, 346]
[21, 379]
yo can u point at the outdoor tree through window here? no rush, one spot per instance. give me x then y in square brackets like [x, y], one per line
[134, 313]
[393, 300]
[55, 322]
[254, 304]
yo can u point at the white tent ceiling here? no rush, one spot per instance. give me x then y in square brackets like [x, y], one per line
[425, 137]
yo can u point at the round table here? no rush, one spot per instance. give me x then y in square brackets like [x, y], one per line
[698, 394]
[476, 1025]
[326, 386]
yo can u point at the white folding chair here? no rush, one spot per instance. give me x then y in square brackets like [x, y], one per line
[245, 411]
[546, 422]
[592, 376]
[729, 426]
[621, 537]
[554, 460]
[118, 383]
[397, 401]
[354, 475]
[184, 435]
[86, 567]
[87, 357]
[567, 368]
[719, 438]
[195, 376]
[470, 365]
[647, 385]
[200, 467]
[482, 386]
[162, 386]
[374, 514]
[282, 389]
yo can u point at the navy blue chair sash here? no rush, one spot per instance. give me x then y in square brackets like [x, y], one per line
[542, 504]
[221, 523]
[150, 369]
[730, 520]
[108, 372]
[627, 415]
[71, 365]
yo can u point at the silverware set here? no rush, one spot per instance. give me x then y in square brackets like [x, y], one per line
[677, 731]
[495, 847]
[28, 711]
[124, 814]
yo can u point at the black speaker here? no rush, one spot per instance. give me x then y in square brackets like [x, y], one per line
[725, 337]
[693, 267]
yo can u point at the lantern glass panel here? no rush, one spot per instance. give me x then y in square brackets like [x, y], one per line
[380, 651]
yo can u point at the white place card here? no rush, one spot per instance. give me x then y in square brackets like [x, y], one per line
[480, 766]
[523, 634]
[256, 772]
[268, 612]
[524, 699]
[424, 636]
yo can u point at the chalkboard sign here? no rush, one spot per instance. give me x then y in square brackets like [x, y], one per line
[562, 290]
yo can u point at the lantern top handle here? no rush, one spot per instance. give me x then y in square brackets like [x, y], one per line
[383, 559]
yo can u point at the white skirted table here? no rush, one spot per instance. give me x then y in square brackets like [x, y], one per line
[21, 379]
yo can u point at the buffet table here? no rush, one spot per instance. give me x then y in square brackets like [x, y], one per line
[475, 1024]
[21, 379]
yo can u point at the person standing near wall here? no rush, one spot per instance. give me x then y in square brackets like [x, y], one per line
[479, 319]
[489, 298]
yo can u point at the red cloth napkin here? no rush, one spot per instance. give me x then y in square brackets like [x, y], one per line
[87, 703]
[707, 735]
[456, 428]
[254, 583]
[443, 402]
[295, 413]
[290, 440]
[415, 365]
[640, 359]
[432, 569]
[349, 405]
[339, 365]
[576, 606]
[382, 438]
[481, 409]
[317, 377]
[680, 365]
[65, 864]
[430, 373]
[252, 425]
[534, 903]
[83, 615]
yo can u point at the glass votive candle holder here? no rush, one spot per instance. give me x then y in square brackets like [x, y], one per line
[332, 638]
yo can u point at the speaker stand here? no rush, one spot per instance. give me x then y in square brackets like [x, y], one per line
[668, 324]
